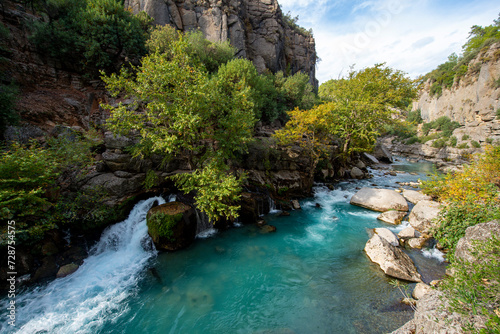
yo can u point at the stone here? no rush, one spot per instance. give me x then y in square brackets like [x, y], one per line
[473, 234]
[382, 153]
[414, 196]
[267, 229]
[117, 142]
[370, 158]
[408, 233]
[361, 165]
[392, 217]
[420, 290]
[422, 215]
[387, 235]
[392, 260]
[46, 270]
[284, 214]
[416, 243]
[172, 226]
[296, 204]
[357, 173]
[66, 270]
[381, 200]
[49, 248]
[117, 186]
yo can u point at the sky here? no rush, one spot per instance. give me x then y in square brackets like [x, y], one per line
[409, 35]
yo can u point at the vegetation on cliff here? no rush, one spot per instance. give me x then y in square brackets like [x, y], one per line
[355, 110]
[446, 74]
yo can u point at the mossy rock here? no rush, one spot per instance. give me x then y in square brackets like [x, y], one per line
[172, 226]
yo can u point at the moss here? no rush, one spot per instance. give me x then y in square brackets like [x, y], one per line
[161, 225]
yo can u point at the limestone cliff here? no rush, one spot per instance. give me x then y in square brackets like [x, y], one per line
[474, 101]
[255, 27]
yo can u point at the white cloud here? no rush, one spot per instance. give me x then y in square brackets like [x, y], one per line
[413, 36]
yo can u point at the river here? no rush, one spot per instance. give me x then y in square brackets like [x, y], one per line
[310, 276]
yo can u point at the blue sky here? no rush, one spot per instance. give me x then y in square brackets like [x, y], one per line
[410, 35]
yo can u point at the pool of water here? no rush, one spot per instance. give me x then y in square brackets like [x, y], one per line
[310, 276]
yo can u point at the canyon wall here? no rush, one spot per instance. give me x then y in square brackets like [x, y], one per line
[256, 28]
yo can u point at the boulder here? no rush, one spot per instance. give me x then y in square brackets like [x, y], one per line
[381, 200]
[408, 233]
[392, 217]
[172, 226]
[414, 197]
[296, 204]
[473, 234]
[388, 236]
[382, 153]
[416, 242]
[357, 173]
[422, 215]
[421, 289]
[370, 158]
[67, 270]
[392, 260]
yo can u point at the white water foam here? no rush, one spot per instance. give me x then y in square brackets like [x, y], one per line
[207, 233]
[94, 295]
[398, 228]
[433, 253]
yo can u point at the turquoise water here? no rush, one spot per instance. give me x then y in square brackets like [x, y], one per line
[310, 276]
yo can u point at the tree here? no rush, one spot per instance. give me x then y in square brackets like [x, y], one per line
[359, 106]
[185, 111]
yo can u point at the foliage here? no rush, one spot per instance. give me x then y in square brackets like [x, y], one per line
[359, 107]
[295, 91]
[162, 39]
[186, 111]
[211, 55]
[475, 144]
[292, 23]
[151, 179]
[474, 288]
[8, 115]
[479, 35]
[217, 192]
[414, 117]
[453, 141]
[444, 124]
[472, 196]
[95, 34]
[28, 178]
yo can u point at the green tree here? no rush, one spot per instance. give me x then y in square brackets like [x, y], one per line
[184, 111]
[359, 107]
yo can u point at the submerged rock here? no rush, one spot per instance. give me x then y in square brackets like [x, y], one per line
[67, 270]
[391, 259]
[422, 215]
[392, 217]
[172, 226]
[268, 229]
[381, 200]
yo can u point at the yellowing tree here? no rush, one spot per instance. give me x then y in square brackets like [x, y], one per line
[356, 109]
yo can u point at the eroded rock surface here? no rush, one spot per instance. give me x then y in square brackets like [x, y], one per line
[381, 200]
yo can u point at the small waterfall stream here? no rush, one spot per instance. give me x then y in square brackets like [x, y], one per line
[95, 293]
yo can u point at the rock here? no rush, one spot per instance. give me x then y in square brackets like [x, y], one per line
[408, 233]
[284, 214]
[473, 234]
[49, 248]
[46, 270]
[379, 200]
[295, 204]
[416, 243]
[117, 142]
[387, 235]
[370, 158]
[357, 173]
[268, 229]
[422, 215]
[421, 289]
[172, 226]
[67, 270]
[432, 316]
[382, 153]
[118, 186]
[409, 301]
[414, 197]
[392, 217]
[392, 260]
[261, 222]
[360, 164]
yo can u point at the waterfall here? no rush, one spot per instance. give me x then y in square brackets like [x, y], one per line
[204, 227]
[97, 292]
[272, 206]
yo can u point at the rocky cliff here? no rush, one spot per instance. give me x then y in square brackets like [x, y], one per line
[474, 101]
[256, 28]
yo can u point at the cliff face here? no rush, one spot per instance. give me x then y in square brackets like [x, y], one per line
[255, 27]
[474, 101]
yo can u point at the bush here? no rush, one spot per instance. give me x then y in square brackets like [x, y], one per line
[162, 39]
[453, 141]
[95, 34]
[412, 140]
[439, 143]
[474, 288]
[414, 117]
[463, 146]
[475, 144]
[210, 55]
[465, 137]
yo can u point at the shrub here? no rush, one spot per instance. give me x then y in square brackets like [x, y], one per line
[414, 117]
[210, 55]
[474, 287]
[412, 140]
[475, 144]
[463, 146]
[162, 38]
[453, 141]
[95, 34]
[465, 137]
[439, 143]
